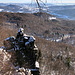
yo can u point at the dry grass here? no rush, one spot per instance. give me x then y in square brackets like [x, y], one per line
[34, 24]
[50, 62]
[5, 32]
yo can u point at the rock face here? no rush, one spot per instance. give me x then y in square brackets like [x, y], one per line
[9, 42]
[5, 64]
[18, 60]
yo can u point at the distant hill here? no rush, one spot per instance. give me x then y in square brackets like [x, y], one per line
[13, 8]
[63, 11]
[60, 11]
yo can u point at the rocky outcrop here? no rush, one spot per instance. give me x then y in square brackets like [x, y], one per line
[18, 62]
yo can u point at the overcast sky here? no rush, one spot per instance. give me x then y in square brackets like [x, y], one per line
[29, 1]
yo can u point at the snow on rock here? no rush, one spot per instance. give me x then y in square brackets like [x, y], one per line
[66, 36]
[52, 18]
[35, 47]
[1, 50]
[59, 40]
[37, 64]
[1, 10]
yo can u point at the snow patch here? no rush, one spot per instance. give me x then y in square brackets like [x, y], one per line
[52, 18]
[1, 10]
[37, 64]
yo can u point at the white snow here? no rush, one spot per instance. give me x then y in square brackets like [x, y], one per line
[1, 10]
[37, 64]
[1, 50]
[59, 40]
[52, 18]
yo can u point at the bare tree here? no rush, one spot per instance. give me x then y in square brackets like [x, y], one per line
[39, 4]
